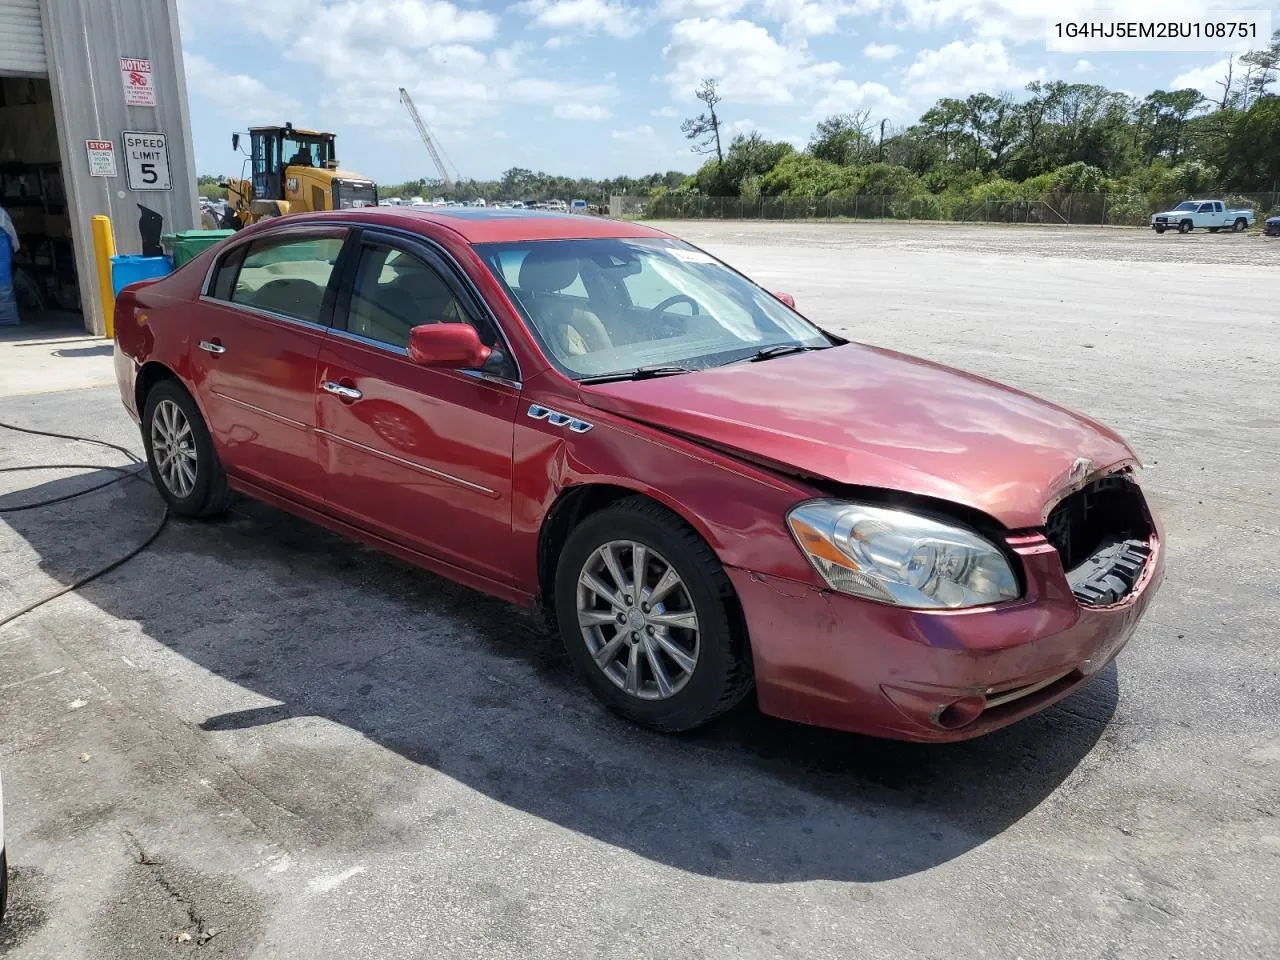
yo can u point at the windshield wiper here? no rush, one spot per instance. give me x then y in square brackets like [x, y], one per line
[777, 350]
[640, 373]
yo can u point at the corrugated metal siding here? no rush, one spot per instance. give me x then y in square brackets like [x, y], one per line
[21, 38]
[86, 39]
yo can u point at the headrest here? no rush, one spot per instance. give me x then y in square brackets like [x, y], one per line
[545, 270]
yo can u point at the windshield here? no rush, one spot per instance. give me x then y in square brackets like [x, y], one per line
[1188, 205]
[304, 151]
[609, 306]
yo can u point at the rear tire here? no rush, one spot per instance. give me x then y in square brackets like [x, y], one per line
[1184, 226]
[1240, 224]
[621, 660]
[184, 465]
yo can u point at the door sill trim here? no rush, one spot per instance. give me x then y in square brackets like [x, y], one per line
[450, 571]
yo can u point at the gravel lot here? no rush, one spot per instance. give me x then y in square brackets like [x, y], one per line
[258, 730]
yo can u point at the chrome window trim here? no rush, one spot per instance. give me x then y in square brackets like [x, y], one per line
[266, 314]
[370, 342]
[408, 463]
[403, 352]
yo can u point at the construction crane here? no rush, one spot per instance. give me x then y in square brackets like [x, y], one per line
[426, 137]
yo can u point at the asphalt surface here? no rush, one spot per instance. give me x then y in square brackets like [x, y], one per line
[260, 731]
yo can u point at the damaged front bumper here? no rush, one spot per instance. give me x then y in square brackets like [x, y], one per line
[837, 661]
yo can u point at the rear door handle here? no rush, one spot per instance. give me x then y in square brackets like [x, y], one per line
[208, 346]
[338, 390]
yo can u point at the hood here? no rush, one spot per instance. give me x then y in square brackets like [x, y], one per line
[864, 416]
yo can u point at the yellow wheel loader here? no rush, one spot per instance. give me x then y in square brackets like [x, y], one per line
[292, 171]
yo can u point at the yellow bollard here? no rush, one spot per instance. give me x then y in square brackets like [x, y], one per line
[104, 248]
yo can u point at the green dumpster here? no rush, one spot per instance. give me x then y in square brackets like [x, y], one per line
[189, 244]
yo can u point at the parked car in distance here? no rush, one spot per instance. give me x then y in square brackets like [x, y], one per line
[702, 491]
[1272, 229]
[1209, 214]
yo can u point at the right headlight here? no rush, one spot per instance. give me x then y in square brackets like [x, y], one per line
[899, 557]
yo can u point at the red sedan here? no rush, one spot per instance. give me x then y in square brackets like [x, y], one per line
[703, 492]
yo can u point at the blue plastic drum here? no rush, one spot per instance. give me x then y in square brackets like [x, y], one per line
[132, 267]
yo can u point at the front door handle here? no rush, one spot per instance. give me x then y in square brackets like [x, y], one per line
[208, 346]
[338, 390]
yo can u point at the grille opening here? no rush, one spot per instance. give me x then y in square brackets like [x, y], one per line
[1101, 533]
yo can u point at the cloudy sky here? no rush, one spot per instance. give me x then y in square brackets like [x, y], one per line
[598, 87]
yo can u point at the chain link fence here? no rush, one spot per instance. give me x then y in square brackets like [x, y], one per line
[1097, 209]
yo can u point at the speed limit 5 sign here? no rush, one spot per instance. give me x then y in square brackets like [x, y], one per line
[146, 161]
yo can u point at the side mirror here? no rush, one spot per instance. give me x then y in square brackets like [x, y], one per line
[453, 346]
[786, 298]
[235, 141]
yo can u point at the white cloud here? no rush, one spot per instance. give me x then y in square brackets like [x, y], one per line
[584, 16]
[1205, 79]
[1082, 66]
[960, 68]
[665, 112]
[750, 64]
[881, 51]
[581, 111]
[683, 9]
[634, 134]
[805, 18]
[236, 93]
[848, 96]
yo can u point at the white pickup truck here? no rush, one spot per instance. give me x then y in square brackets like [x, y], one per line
[1210, 214]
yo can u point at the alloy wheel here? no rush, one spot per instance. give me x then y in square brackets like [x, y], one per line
[638, 620]
[174, 448]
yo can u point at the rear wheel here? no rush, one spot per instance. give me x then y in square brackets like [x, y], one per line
[1240, 224]
[648, 617]
[184, 465]
[1184, 226]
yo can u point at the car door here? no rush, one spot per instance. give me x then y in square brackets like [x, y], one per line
[258, 337]
[420, 455]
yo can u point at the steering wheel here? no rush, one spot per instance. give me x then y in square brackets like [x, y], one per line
[662, 308]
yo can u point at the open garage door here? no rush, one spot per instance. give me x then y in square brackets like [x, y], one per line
[21, 39]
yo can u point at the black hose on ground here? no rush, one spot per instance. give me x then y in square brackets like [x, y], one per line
[123, 473]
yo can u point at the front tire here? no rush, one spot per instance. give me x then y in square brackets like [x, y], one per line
[1184, 226]
[649, 618]
[1159, 229]
[184, 465]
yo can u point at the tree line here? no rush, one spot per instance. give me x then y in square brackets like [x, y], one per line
[1058, 139]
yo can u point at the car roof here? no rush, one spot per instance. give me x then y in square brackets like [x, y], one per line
[497, 225]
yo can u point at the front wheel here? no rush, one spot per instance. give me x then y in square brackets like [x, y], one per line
[649, 618]
[1240, 224]
[184, 465]
[1159, 229]
[1184, 226]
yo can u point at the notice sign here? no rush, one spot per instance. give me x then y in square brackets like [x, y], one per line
[146, 161]
[102, 157]
[139, 89]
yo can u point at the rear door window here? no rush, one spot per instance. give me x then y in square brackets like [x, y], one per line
[288, 276]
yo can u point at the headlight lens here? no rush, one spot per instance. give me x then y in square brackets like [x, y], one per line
[900, 558]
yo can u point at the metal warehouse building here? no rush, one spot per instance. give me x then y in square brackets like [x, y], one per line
[93, 120]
